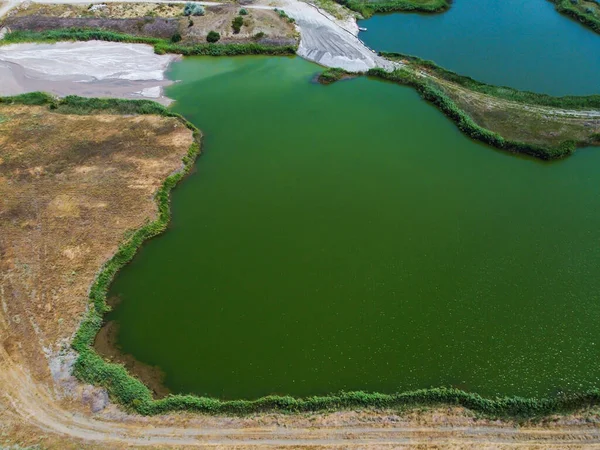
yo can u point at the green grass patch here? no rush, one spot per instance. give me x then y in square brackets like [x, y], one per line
[334, 74]
[161, 46]
[369, 7]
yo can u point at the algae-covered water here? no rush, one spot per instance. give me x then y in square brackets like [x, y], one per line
[350, 237]
[524, 44]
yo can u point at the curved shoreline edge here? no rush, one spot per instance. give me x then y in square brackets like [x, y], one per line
[565, 8]
[136, 397]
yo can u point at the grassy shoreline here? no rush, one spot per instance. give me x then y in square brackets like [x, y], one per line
[589, 20]
[368, 8]
[161, 46]
[503, 92]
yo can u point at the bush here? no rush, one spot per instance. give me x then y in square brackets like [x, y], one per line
[176, 37]
[243, 12]
[259, 35]
[283, 15]
[193, 9]
[237, 23]
[212, 36]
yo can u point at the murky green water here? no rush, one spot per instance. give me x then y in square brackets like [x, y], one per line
[524, 44]
[349, 237]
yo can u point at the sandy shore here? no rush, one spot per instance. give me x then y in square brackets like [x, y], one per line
[90, 69]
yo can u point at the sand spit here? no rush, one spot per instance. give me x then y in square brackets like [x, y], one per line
[90, 69]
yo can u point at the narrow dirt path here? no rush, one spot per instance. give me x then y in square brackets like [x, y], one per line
[35, 407]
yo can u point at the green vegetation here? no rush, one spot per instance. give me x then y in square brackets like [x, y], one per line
[434, 94]
[369, 7]
[333, 74]
[176, 37]
[213, 36]
[585, 11]
[161, 46]
[72, 104]
[193, 9]
[332, 7]
[243, 12]
[284, 15]
[237, 23]
[506, 93]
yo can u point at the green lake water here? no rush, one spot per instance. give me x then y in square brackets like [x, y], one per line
[349, 237]
[525, 44]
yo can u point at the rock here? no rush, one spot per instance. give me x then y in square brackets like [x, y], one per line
[96, 398]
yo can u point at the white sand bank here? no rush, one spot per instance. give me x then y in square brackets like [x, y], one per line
[91, 69]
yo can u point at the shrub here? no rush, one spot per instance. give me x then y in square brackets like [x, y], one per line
[176, 37]
[243, 12]
[193, 9]
[259, 35]
[283, 15]
[237, 23]
[212, 36]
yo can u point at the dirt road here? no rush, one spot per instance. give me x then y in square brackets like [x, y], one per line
[62, 425]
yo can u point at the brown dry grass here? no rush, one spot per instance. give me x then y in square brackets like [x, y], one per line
[70, 187]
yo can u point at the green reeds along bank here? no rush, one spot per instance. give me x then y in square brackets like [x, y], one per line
[368, 8]
[333, 74]
[161, 46]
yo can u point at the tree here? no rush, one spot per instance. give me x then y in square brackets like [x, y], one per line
[213, 36]
[237, 24]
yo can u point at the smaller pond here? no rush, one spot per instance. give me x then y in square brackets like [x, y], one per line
[524, 44]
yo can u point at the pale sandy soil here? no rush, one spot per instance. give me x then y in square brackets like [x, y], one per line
[91, 69]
